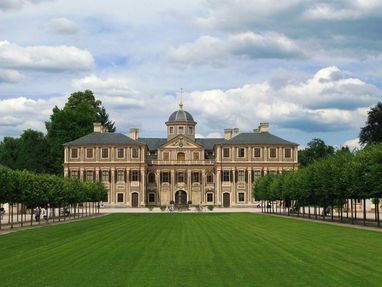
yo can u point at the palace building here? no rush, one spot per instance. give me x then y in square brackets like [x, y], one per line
[180, 168]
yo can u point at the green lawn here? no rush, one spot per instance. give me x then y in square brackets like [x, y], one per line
[191, 250]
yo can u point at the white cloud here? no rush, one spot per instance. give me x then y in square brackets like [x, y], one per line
[352, 144]
[216, 51]
[44, 58]
[63, 26]
[17, 4]
[9, 76]
[21, 113]
[347, 10]
[324, 102]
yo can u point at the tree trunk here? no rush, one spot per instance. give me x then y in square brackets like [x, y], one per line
[364, 211]
[351, 210]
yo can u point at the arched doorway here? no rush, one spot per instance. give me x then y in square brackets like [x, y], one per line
[226, 200]
[134, 199]
[180, 197]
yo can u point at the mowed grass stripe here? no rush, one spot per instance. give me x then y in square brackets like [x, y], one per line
[191, 250]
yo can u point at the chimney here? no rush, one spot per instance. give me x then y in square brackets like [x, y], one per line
[134, 133]
[98, 128]
[235, 132]
[228, 134]
[263, 127]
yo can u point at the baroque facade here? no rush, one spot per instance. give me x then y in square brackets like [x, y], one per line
[180, 168]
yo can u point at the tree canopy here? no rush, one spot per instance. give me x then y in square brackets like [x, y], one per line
[39, 153]
[372, 132]
[316, 149]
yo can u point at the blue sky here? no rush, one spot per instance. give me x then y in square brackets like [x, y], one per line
[309, 68]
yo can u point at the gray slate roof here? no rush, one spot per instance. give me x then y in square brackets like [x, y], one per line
[181, 116]
[103, 138]
[155, 143]
[257, 138]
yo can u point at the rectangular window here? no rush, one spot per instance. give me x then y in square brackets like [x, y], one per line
[190, 130]
[272, 152]
[241, 152]
[241, 197]
[166, 155]
[171, 130]
[195, 177]
[74, 173]
[210, 178]
[105, 153]
[226, 152]
[226, 175]
[272, 172]
[134, 153]
[120, 175]
[210, 197]
[105, 176]
[257, 152]
[89, 153]
[151, 197]
[288, 153]
[121, 153]
[135, 175]
[241, 175]
[256, 175]
[74, 153]
[89, 175]
[165, 176]
[120, 197]
[181, 130]
[196, 155]
[180, 177]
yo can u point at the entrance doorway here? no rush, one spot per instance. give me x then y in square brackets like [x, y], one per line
[180, 197]
[226, 200]
[134, 199]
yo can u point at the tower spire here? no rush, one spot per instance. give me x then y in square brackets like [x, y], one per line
[181, 100]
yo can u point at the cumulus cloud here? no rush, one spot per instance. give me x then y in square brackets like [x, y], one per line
[63, 26]
[44, 58]
[352, 144]
[21, 113]
[17, 4]
[310, 105]
[213, 50]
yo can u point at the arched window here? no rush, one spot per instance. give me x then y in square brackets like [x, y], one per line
[181, 156]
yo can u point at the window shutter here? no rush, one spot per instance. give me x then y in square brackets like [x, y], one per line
[236, 176]
[231, 176]
[222, 175]
[115, 176]
[94, 176]
[246, 176]
[169, 177]
[253, 175]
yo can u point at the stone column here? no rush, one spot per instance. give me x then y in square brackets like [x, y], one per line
[218, 185]
[249, 185]
[234, 186]
[143, 186]
[112, 185]
[172, 185]
[157, 181]
[189, 184]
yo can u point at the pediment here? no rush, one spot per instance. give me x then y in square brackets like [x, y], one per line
[181, 142]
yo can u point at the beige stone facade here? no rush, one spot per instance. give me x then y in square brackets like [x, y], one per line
[180, 168]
